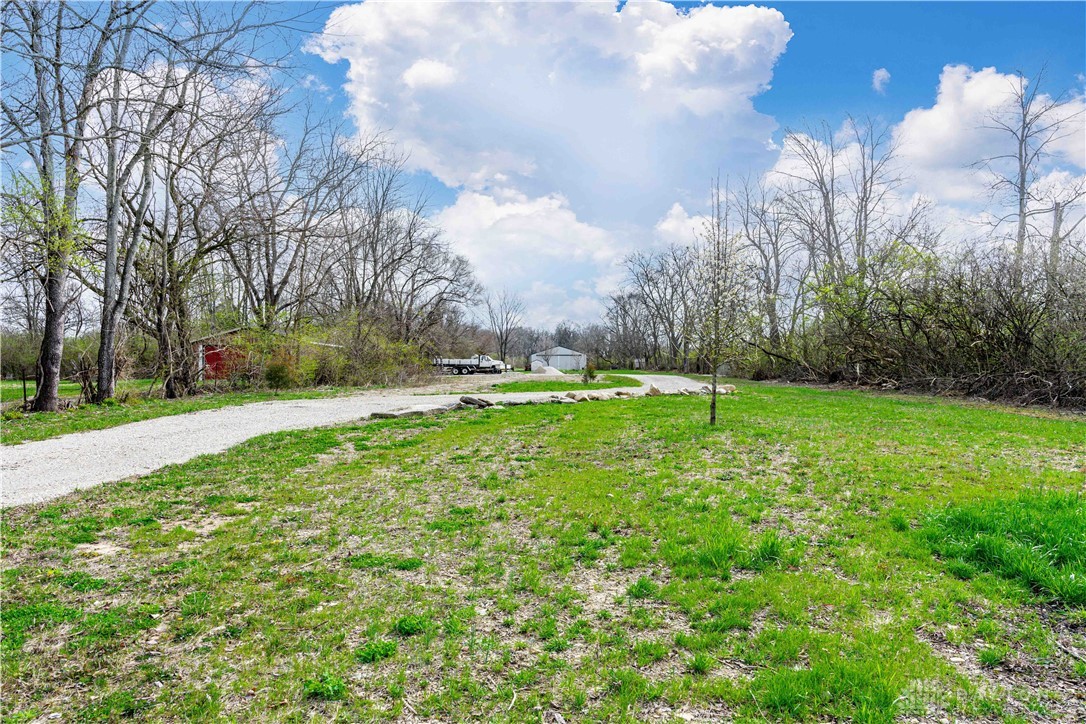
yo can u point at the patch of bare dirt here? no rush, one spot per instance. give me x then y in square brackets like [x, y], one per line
[662, 711]
[1016, 682]
[99, 548]
[1038, 460]
[202, 527]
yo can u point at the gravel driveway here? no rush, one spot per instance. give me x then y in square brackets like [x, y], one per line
[38, 471]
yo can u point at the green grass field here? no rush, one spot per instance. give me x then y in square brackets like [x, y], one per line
[12, 390]
[602, 382]
[819, 556]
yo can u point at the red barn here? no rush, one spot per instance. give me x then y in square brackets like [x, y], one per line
[216, 357]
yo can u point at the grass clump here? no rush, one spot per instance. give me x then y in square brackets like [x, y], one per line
[993, 656]
[700, 664]
[767, 552]
[1037, 539]
[648, 652]
[18, 621]
[365, 561]
[375, 651]
[117, 705]
[459, 518]
[411, 625]
[81, 582]
[644, 587]
[325, 687]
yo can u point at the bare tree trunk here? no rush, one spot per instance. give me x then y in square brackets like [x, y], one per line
[47, 375]
[1022, 190]
[1054, 241]
[712, 402]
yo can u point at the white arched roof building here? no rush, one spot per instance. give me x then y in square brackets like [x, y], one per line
[562, 358]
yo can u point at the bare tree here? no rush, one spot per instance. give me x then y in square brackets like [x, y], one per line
[505, 311]
[55, 56]
[665, 283]
[764, 229]
[150, 81]
[289, 194]
[192, 216]
[1032, 122]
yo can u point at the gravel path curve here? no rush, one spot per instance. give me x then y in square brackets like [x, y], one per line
[35, 472]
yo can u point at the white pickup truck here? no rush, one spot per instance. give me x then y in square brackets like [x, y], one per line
[479, 363]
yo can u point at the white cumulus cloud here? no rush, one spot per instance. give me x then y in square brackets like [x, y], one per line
[426, 73]
[621, 110]
[537, 247]
[880, 79]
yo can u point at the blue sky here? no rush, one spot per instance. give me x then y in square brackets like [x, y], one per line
[826, 71]
[554, 139]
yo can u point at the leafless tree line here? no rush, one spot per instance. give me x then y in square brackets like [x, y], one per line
[844, 278]
[155, 166]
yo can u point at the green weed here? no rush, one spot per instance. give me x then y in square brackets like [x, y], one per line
[375, 651]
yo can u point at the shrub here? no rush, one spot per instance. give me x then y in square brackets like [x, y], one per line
[589, 374]
[279, 375]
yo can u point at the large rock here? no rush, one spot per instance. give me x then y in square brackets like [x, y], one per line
[475, 401]
[577, 396]
[413, 411]
[623, 393]
[727, 389]
[654, 391]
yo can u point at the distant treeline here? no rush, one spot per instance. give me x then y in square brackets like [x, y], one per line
[833, 277]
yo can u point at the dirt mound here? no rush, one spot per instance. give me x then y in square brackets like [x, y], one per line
[545, 371]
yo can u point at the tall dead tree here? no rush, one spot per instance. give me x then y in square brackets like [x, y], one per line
[1032, 123]
[505, 312]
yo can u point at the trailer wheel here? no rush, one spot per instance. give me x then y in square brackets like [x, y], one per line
[456, 370]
